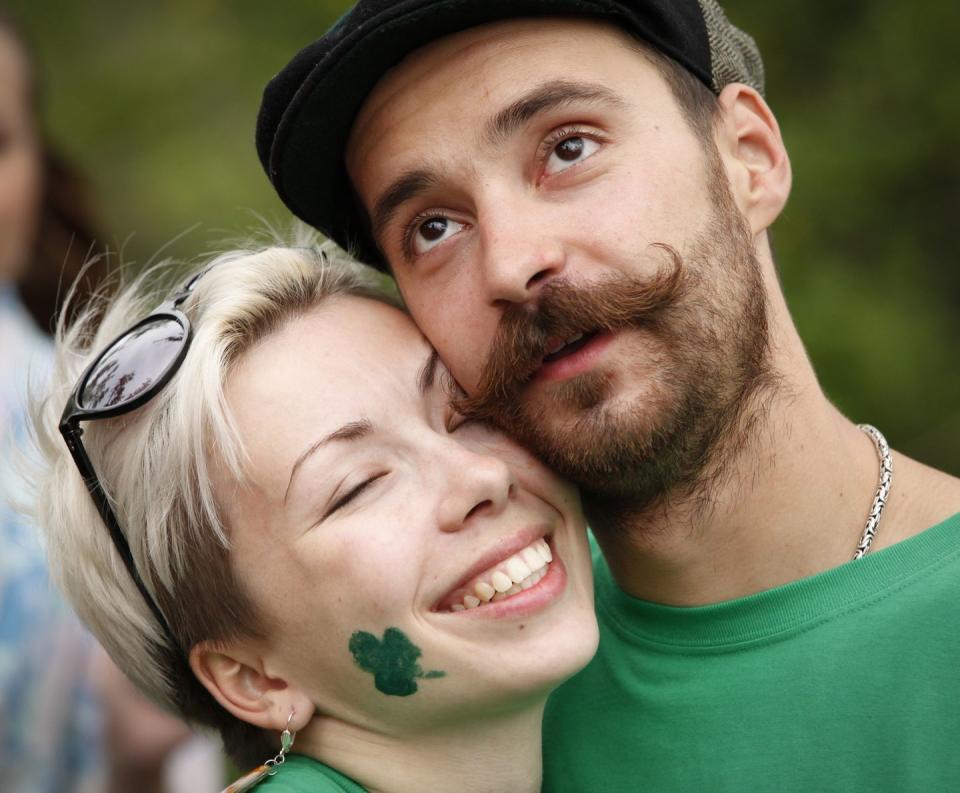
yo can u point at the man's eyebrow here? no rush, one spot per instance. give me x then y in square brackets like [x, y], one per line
[351, 431]
[547, 96]
[407, 186]
[428, 372]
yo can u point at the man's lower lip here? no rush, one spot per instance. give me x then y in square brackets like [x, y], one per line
[583, 360]
[527, 602]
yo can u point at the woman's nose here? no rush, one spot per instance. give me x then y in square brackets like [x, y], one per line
[475, 485]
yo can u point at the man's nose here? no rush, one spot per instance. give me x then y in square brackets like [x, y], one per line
[522, 251]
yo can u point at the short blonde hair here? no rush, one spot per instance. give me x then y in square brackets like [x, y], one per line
[155, 466]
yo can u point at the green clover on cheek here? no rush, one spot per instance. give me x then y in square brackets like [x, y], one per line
[392, 661]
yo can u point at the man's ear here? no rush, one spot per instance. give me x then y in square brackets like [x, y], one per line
[754, 155]
[237, 679]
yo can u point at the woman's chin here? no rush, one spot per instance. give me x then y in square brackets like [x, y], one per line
[528, 660]
[521, 647]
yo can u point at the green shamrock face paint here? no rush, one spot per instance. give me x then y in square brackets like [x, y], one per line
[392, 662]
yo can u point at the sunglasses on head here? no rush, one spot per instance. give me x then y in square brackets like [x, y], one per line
[127, 374]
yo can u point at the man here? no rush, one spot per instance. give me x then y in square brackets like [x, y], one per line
[574, 198]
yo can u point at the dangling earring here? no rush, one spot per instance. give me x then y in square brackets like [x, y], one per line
[269, 768]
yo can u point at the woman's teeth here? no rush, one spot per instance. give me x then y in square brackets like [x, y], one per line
[521, 571]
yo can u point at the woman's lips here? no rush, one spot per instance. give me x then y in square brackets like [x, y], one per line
[511, 578]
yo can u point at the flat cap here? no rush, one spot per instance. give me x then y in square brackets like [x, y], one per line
[309, 108]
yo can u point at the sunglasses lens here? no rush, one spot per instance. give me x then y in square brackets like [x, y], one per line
[133, 364]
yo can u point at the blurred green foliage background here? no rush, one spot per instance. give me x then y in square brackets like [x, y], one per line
[157, 101]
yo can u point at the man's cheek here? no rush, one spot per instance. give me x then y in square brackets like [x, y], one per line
[465, 360]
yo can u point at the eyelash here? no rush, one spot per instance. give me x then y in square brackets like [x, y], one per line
[559, 135]
[411, 229]
[346, 498]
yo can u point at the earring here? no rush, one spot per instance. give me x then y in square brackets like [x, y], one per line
[269, 768]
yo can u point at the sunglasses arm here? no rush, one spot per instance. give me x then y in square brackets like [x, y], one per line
[71, 432]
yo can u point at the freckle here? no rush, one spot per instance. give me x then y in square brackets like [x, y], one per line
[521, 627]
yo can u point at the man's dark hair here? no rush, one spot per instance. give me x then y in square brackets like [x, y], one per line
[697, 102]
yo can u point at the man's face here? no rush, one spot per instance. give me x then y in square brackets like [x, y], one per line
[531, 181]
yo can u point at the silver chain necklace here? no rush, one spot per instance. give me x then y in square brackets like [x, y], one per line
[883, 489]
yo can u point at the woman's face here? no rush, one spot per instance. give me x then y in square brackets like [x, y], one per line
[19, 161]
[383, 539]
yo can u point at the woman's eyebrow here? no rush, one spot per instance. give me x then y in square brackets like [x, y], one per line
[351, 431]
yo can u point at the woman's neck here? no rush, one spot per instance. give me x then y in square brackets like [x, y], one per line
[498, 754]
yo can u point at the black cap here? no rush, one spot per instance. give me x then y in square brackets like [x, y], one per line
[309, 108]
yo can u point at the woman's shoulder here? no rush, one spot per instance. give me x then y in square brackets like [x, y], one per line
[302, 774]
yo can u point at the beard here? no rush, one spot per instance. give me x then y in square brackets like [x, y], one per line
[701, 321]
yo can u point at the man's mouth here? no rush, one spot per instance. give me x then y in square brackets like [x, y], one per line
[559, 348]
[566, 335]
[511, 576]
[573, 356]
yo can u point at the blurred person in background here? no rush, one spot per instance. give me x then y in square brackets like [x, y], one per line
[69, 720]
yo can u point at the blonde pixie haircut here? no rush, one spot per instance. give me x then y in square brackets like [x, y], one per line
[155, 465]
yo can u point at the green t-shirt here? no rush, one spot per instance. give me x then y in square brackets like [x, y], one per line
[302, 774]
[846, 681]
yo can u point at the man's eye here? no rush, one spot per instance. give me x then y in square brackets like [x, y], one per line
[432, 231]
[569, 151]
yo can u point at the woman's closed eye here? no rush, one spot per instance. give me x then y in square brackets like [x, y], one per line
[352, 493]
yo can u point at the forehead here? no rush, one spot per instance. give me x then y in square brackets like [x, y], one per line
[488, 63]
[340, 346]
[347, 357]
[350, 358]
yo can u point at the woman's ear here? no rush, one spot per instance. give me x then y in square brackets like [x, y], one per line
[235, 677]
[754, 155]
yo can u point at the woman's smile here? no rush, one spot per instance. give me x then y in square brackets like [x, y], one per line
[521, 572]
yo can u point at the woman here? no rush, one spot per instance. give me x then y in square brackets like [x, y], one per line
[324, 548]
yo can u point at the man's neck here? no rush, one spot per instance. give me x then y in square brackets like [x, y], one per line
[499, 754]
[791, 504]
